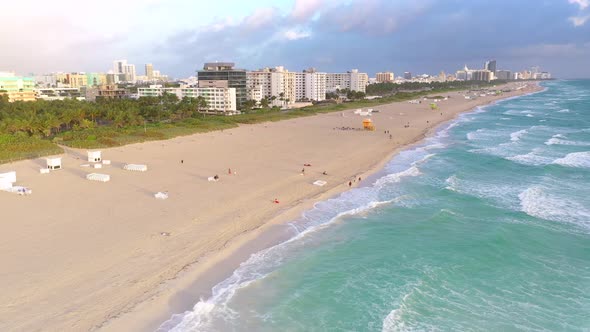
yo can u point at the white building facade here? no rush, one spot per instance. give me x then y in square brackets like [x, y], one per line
[352, 80]
[267, 83]
[218, 99]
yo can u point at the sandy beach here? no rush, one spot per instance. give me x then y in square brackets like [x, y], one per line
[80, 255]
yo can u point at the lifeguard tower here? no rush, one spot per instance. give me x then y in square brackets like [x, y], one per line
[368, 125]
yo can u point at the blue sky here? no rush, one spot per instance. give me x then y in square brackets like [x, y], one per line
[177, 36]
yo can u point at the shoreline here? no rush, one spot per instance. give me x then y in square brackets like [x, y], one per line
[138, 278]
[198, 281]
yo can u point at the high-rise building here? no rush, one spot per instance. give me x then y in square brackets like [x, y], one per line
[482, 75]
[130, 74]
[352, 80]
[491, 66]
[272, 82]
[223, 74]
[149, 71]
[407, 75]
[310, 85]
[119, 66]
[385, 77]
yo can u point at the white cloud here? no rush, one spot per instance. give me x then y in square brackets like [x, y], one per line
[294, 34]
[261, 17]
[582, 3]
[305, 9]
[578, 21]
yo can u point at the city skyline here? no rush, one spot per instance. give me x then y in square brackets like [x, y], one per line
[373, 36]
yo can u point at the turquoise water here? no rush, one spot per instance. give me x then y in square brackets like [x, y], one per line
[484, 227]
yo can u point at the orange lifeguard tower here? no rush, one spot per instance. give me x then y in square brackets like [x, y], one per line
[368, 125]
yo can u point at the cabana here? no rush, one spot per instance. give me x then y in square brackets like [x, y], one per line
[94, 156]
[54, 163]
[5, 184]
[98, 177]
[135, 167]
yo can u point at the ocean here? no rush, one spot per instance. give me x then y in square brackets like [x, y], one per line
[484, 226]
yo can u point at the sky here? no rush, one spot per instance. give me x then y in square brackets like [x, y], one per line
[178, 36]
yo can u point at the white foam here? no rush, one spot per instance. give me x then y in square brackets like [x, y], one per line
[531, 158]
[536, 202]
[475, 134]
[558, 141]
[565, 110]
[575, 159]
[397, 177]
[515, 136]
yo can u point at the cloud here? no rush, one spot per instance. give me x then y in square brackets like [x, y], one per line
[260, 18]
[305, 9]
[582, 3]
[296, 34]
[578, 21]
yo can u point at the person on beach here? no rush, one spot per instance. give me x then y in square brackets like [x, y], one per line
[359, 179]
[303, 171]
[276, 201]
[216, 177]
[350, 183]
[229, 171]
[182, 161]
[324, 173]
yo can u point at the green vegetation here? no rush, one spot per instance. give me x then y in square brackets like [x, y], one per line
[383, 89]
[34, 129]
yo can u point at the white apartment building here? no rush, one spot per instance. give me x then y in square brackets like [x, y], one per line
[266, 83]
[218, 99]
[352, 80]
[315, 86]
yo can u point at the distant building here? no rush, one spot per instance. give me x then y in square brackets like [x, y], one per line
[442, 77]
[504, 75]
[482, 75]
[491, 66]
[130, 73]
[218, 99]
[407, 75]
[465, 74]
[119, 66]
[223, 74]
[17, 88]
[385, 77]
[149, 71]
[352, 80]
[106, 92]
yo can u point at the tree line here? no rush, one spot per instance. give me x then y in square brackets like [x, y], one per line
[389, 88]
[47, 118]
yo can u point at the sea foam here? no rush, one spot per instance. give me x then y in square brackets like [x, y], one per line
[575, 159]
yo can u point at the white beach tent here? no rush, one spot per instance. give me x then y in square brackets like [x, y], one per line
[7, 179]
[98, 177]
[94, 156]
[320, 183]
[135, 167]
[54, 163]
